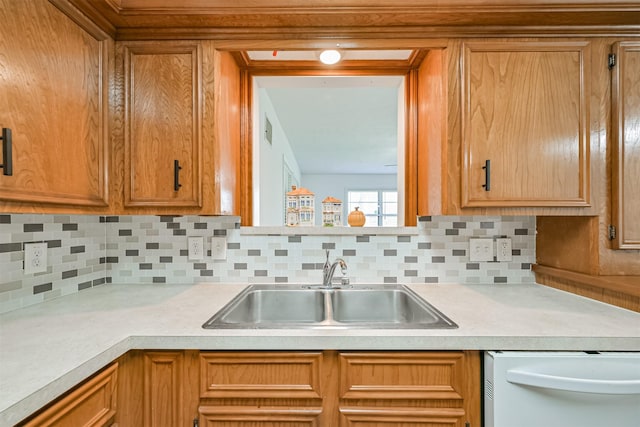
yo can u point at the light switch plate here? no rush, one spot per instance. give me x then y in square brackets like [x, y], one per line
[219, 248]
[480, 250]
[35, 258]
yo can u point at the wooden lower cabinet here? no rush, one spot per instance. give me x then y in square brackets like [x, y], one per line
[299, 389]
[346, 389]
[92, 404]
[432, 389]
[266, 389]
[158, 388]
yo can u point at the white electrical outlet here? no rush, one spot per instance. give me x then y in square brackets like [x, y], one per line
[35, 258]
[480, 250]
[219, 248]
[503, 249]
[195, 248]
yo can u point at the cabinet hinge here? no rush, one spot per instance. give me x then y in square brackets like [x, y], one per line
[196, 422]
[612, 60]
[612, 232]
[467, 424]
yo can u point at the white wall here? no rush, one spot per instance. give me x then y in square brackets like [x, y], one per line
[338, 185]
[268, 173]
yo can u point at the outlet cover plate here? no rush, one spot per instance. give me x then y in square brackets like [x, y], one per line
[35, 258]
[480, 250]
[503, 249]
[195, 248]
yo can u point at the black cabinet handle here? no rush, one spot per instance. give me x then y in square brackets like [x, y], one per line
[7, 156]
[176, 175]
[487, 175]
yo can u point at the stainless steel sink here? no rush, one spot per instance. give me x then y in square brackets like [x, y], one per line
[304, 306]
[394, 306]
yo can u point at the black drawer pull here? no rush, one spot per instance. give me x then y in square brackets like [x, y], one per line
[487, 175]
[176, 175]
[7, 155]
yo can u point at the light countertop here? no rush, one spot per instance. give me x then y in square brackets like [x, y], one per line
[48, 348]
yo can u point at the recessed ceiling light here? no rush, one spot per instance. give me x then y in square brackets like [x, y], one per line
[330, 56]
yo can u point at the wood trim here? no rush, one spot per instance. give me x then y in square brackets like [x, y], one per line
[249, 375]
[411, 141]
[227, 127]
[622, 291]
[246, 148]
[211, 416]
[415, 375]
[370, 416]
[625, 157]
[344, 19]
[432, 133]
[411, 164]
[94, 401]
[66, 7]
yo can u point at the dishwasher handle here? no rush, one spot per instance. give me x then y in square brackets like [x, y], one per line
[580, 385]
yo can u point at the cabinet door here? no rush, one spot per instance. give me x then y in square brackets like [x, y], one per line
[626, 145]
[91, 404]
[53, 75]
[163, 116]
[525, 122]
[158, 388]
[379, 389]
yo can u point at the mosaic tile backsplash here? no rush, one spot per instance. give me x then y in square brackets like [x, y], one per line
[87, 251]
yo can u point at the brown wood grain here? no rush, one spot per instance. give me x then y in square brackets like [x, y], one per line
[295, 19]
[237, 416]
[570, 243]
[623, 291]
[54, 99]
[92, 403]
[432, 132]
[163, 119]
[401, 376]
[227, 93]
[525, 110]
[261, 375]
[626, 146]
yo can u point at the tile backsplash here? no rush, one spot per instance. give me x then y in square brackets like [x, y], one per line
[86, 251]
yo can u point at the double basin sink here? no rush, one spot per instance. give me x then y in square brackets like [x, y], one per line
[306, 306]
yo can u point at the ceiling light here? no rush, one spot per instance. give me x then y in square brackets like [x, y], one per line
[330, 56]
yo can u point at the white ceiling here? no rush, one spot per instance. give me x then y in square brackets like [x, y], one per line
[339, 125]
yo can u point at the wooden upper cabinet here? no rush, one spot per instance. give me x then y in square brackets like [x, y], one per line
[525, 124]
[163, 119]
[54, 81]
[625, 143]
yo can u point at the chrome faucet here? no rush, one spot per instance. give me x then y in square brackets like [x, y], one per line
[329, 269]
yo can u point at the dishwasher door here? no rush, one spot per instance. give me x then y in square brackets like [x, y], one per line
[561, 389]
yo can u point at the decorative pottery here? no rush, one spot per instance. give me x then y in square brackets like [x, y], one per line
[331, 212]
[300, 207]
[356, 218]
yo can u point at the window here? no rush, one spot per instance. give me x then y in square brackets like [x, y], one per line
[379, 207]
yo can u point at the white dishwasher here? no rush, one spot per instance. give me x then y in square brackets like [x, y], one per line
[561, 389]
